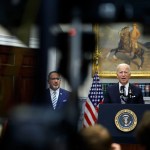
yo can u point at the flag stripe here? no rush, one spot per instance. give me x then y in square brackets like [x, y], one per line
[90, 109]
[87, 120]
[95, 98]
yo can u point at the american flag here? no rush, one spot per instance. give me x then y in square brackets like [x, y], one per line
[95, 98]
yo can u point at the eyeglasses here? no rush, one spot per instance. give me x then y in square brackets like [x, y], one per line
[55, 79]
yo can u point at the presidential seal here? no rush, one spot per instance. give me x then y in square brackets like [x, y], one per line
[125, 120]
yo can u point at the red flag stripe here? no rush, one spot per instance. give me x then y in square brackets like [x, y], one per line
[89, 106]
[87, 119]
[95, 98]
[90, 114]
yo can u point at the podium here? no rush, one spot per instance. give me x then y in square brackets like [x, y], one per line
[107, 117]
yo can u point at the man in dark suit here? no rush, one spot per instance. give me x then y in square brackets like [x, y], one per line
[123, 92]
[56, 97]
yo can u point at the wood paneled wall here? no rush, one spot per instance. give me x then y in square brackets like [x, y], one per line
[17, 76]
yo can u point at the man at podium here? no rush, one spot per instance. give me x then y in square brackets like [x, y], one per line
[123, 92]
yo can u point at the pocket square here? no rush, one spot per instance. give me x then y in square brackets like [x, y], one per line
[64, 100]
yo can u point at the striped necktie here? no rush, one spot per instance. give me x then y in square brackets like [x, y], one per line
[123, 96]
[54, 99]
[122, 88]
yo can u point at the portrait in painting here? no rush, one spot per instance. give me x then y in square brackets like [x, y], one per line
[123, 43]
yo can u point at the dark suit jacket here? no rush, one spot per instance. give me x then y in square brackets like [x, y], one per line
[112, 95]
[63, 99]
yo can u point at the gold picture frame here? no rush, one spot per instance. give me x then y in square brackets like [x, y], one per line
[107, 40]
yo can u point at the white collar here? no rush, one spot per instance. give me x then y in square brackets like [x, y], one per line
[126, 86]
[57, 91]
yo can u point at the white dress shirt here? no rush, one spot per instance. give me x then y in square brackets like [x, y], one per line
[57, 93]
[126, 87]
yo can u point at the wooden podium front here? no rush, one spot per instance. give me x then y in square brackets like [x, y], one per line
[131, 147]
[107, 117]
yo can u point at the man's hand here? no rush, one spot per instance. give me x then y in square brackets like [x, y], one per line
[115, 146]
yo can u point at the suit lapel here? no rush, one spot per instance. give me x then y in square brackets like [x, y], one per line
[59, 98]
[118, 90]
[60, 95]
[118, 93]
[48, 98]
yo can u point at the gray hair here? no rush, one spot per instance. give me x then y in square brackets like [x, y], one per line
[123, 65]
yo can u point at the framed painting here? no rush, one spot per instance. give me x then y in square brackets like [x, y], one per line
[121, 43]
